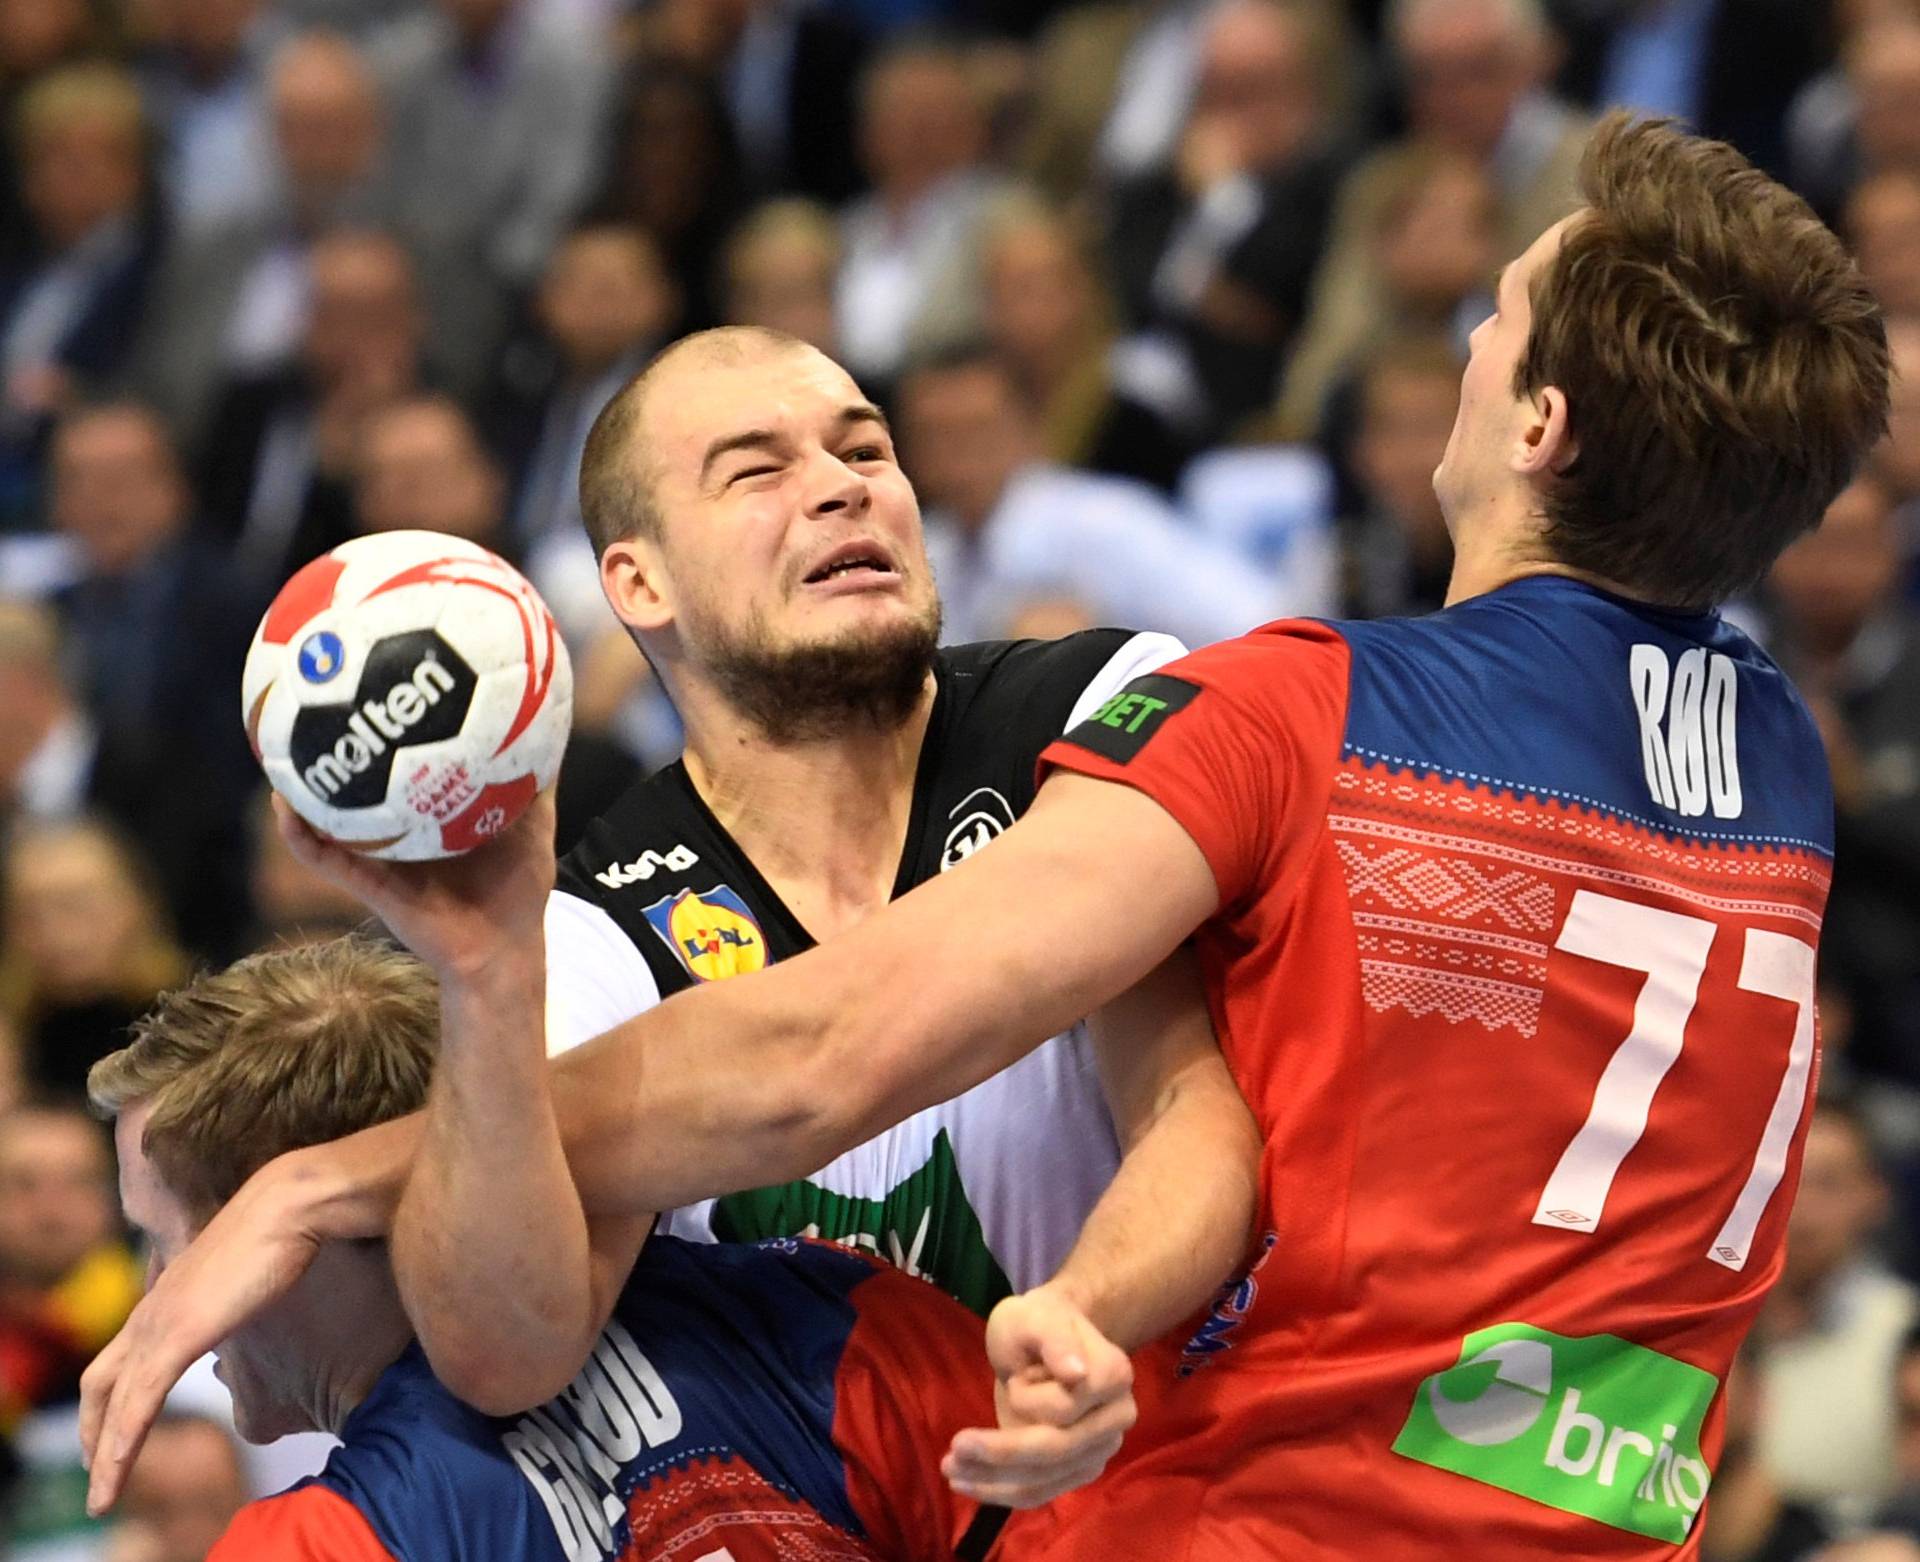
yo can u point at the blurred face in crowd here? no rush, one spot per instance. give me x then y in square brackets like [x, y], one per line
[1832, 581]
[1441, 244]
[75, 911]
[1883, 220]
[1256, 80]
[1478, 470]
[422, 468]
[672, 155]
[56, 1194]
[919, 122]
[782, 278]
[31, 691]
[294, 904]
[183, 1490]
[81, 172]
[326, 118]
[789, 536]
[1883, 65]
[1040, 295]
[1896, 459]
[1407, 414]
[1841, 1200]
[603, 295]
[475, 20]
[1906, 1399]
[966, 436]
[117, 486]
[1467, 63]
[35, 33]
[364, 317]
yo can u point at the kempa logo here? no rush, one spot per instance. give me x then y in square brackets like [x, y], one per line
[619, 875]
[1591, 1425]
[980, 816]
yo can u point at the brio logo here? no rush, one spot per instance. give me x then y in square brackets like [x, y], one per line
[1590, 1425]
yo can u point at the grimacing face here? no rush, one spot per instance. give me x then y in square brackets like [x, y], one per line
[261, 1364]
[1478, 461]
[786, 519]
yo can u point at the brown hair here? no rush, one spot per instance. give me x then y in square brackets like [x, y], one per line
[284, 1049]
[616, 491]
[1724, 363]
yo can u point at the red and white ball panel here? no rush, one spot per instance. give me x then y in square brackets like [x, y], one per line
[408, 694]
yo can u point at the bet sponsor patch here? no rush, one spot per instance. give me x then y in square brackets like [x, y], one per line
[1119, 729]
[1589, 1424]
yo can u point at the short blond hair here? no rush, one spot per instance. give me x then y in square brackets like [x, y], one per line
[284, 1049]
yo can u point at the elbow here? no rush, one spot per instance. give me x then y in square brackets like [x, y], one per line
[504, 1383]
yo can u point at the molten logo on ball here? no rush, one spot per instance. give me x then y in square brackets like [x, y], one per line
[413, 689]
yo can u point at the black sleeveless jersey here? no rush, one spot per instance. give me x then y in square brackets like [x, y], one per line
[983, 1194]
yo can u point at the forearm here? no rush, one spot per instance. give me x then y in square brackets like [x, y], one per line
[1176, 1219]
[349, 1189]
[490, 1242]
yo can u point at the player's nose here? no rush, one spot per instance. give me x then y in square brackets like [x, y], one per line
[832, 487]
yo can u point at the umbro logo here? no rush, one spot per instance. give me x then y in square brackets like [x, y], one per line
[620, 874]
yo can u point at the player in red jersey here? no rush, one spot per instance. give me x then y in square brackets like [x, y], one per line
[1508, 916]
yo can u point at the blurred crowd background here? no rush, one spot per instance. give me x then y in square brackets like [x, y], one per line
[1168, 302]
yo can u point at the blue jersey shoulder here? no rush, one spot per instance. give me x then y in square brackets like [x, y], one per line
[1549, 688]
[712, 1353]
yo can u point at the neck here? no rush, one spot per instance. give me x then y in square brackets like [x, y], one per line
[375, 1332]
[1499, 545]
[824, 820]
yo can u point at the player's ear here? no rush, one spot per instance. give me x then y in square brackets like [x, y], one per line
[1546, 446]
[633, 574]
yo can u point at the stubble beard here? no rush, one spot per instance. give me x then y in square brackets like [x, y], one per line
[865, 679]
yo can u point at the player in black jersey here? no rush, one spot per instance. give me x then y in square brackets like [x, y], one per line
[759, 538]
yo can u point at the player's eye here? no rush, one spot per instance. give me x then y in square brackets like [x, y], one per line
[866, 453]
[752, 471]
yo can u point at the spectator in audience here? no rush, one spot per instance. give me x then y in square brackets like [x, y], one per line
[1852, 642]
[497, 116]
[787, 72]
[674, 170]
[231, 301]
[909, 272]
[1112, 84]
[1426, 267]
[35, 37]
[1751, 1520]
[422, 467]
[604, 308]
[1053, 326]
[182, 1492]
[1218, 246]
[1865, 116]
[1728, 68]
[47, 743]
[205, 77]
[66, 1281]
[66, 1285]
[279, 460]
[69, 309]
[156, 630]
[1398, 555]
[1832, 1328]
[779, 269]
[1005, 528]
[87, 947]
[1882, 219]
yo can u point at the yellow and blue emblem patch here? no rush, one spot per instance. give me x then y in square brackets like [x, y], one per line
[712, 932]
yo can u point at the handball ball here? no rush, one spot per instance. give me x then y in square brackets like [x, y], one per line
[408, 694]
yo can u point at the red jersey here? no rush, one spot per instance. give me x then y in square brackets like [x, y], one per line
[1514, 963]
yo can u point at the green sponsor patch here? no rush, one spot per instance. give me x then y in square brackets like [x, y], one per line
[1120, 728]
[925, 1225]
[1590, 1425]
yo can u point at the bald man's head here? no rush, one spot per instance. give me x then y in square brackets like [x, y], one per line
[616, 468]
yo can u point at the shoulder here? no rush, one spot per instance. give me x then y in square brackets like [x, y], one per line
[1057, 675]
[650, 824]
[311, 1523]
